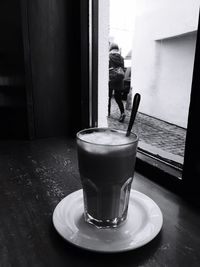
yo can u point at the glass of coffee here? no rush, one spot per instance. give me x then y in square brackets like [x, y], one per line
[106, 160]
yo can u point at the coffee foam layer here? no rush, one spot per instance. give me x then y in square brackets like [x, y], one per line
[107, 138]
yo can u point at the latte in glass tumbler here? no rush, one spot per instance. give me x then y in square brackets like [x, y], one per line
[106, 159]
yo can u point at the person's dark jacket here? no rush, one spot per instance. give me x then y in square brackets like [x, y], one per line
[116, 60]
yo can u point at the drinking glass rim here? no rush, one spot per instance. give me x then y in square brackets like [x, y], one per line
[106, 128]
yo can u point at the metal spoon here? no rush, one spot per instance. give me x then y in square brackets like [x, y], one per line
[136, 102]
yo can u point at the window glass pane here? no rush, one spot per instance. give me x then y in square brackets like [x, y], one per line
[157, 41]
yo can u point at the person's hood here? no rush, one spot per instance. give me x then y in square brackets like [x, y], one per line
[115, 57]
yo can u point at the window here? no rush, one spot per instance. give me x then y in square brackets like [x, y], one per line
[162, 47]
[158, 169]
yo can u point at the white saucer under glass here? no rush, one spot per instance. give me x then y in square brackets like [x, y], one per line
[143, 223]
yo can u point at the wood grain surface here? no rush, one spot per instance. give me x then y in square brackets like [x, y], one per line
[36, 175]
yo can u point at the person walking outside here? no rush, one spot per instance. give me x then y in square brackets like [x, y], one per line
[116, 79]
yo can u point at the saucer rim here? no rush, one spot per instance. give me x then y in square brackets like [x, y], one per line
[121, 250]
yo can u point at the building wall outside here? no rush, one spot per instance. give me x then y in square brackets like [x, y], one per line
[163, 57]
[103, 63]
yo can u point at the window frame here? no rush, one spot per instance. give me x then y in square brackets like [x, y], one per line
[154, 169]
[89, 63]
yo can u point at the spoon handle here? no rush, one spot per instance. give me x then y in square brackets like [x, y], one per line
[136, 102]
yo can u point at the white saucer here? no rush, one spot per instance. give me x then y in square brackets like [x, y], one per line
[143, 223]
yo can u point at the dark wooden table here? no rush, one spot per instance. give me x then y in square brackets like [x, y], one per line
[36, 175]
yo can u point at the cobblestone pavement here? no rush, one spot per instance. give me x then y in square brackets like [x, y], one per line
[152, 131]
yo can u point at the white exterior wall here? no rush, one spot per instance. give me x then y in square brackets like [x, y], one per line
[163, 56]
[103, 63]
